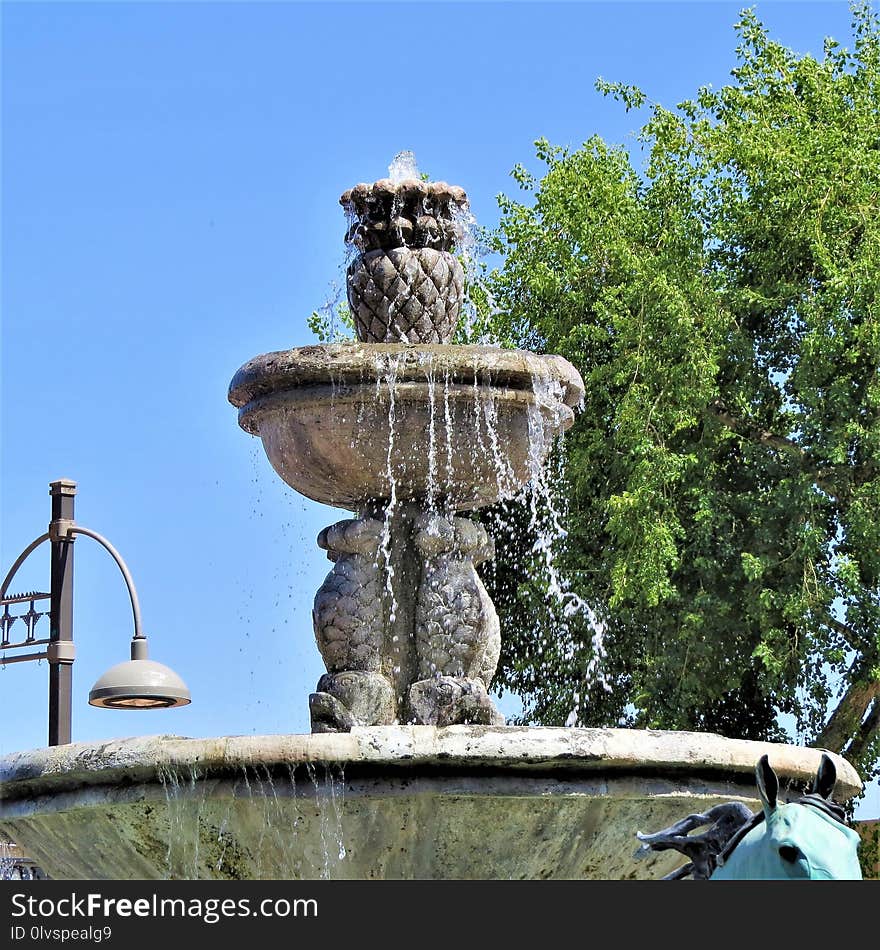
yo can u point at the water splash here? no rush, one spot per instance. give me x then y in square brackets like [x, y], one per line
[479, 307]
[337, 800]
[327, 802]
[504, 474]
[545, 522]
[331, 321]
[403, 166]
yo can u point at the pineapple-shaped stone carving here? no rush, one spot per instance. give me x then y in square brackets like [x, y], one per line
[457, 633]
[349, 629]
[406, 285]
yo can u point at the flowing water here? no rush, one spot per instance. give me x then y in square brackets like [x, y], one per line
[546, 525]
[432, 435]
[570, 614]
[293, 817]
[387, 378]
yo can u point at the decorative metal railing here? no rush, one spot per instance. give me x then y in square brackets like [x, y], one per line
[11, 636]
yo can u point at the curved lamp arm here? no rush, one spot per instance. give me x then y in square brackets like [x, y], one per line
[126, 576]
[71, 529]
[21, 559]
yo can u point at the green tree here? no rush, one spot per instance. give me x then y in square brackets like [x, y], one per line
[722, 483]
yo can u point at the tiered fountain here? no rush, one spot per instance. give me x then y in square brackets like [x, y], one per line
[409, 771]
[406, 430]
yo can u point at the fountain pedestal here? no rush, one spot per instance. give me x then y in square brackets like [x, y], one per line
[419, 648]
[407, 437]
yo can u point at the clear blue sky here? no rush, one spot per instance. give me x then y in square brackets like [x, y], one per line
[170, 178]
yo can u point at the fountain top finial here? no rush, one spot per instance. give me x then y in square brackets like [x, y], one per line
[407, 213]
[370, 199]
[405, 184]
[405, 285]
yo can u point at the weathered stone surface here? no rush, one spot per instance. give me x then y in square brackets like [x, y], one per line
[348, 616]
[457, 630]
[352, 698]
[450, 700]
[396, 802]
[344, 365]
[328, 714]
[409, 213]
[405, 295]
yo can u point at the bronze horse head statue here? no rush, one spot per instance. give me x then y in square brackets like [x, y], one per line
[807, 839]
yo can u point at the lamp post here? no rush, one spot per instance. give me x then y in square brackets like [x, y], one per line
[139, 683]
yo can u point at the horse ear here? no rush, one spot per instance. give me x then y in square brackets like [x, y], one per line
[826, 777]
[768, 784]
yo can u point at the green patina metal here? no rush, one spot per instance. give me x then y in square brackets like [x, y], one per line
[807, 839]
[794, 842]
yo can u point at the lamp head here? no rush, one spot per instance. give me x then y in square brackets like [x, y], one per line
[139, 683]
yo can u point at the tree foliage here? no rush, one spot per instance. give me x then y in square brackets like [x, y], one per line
[722, 483]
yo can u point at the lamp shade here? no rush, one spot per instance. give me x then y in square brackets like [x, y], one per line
[139, 684]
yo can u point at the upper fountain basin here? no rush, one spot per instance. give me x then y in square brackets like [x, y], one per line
[347, 424]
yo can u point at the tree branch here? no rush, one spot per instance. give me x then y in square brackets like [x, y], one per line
[846, 720]
[869, 728]
[857, 642]
[781, 443]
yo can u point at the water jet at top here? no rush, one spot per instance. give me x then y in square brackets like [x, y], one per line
[404, 166]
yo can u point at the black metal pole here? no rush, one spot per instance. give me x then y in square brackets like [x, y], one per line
[61, 653]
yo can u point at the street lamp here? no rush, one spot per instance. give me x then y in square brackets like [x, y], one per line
[139, 683]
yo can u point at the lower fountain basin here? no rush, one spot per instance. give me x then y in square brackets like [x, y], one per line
[346, 423]
[391, 802]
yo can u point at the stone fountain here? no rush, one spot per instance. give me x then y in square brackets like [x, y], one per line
[407, 431]
[409, 771]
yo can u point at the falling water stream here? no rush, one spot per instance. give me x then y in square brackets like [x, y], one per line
[387, 378]
[295, 816]
[537, 496]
